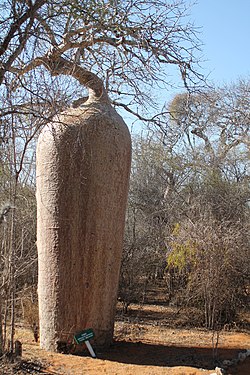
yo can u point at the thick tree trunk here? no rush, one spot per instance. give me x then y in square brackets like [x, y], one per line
[83, 164]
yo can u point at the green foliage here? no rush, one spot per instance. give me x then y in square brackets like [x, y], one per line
[180, 256]
[183, 254]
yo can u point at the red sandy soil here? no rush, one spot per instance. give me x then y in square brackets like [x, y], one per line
[145, 345]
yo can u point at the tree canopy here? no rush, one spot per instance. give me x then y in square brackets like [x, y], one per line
[128, 44]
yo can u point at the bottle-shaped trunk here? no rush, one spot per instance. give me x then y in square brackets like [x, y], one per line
[83, 164]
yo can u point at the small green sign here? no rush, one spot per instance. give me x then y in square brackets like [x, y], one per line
[83, 336]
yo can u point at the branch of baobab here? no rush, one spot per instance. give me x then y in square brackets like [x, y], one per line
[18, 22]
[59, 65]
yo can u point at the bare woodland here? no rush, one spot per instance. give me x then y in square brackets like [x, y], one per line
[188, 211]
[187, 217]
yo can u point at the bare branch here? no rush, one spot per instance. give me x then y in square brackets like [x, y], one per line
[62, 66]
[18, 22]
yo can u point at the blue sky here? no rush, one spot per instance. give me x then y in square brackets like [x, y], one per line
[225, 32]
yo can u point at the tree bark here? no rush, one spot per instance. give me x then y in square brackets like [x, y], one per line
[83, 165]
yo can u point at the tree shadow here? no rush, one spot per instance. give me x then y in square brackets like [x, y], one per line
[167, 317]
[145, 314]
[139, 353]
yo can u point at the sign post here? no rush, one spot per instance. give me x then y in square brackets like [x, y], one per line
[85, 336]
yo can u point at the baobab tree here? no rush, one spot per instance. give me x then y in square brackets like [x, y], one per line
[51, 50]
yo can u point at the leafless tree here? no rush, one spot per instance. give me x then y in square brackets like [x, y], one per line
[129, 44]
[18, 252]
[217, 120]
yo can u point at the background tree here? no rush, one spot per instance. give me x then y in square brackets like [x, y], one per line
[157, 177]
[18, 251]
[217, 119]
[190, 191]
[214, 129]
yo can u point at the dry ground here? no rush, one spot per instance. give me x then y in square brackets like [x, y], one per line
[145, 344]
